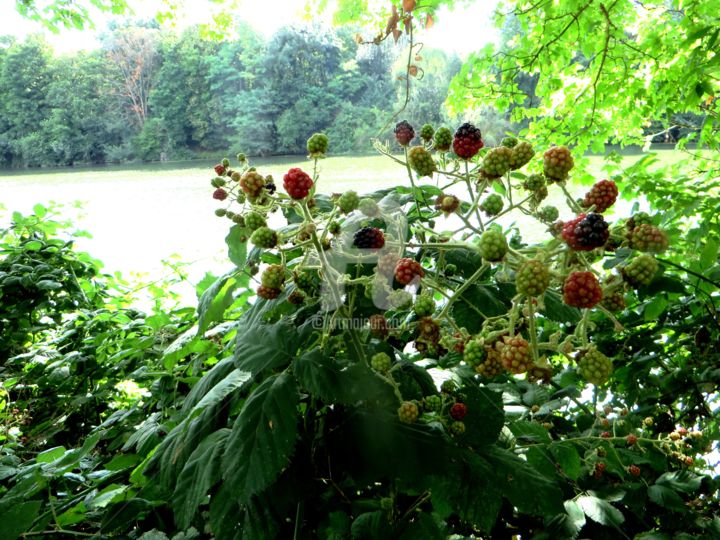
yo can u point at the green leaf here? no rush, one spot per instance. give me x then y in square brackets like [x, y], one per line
[202, 470]
[423, 527]
[709, 254]
[121, 514]
[48, 285]
[655, 308]
[237, 250]
[263, 436]
[266, 346]
[48, 456]
[684, 481]
[372, 526]
[485, 416]
[558, 311]
[40, 210]
[568, 459]
[523, 485]
[18, 519]
[323, 377]
[667, 498]
[476, 304]
[214, 301]
[601, 511]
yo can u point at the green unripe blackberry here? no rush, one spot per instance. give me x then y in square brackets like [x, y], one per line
[424, 305]
[548, 214]
[509, 142]
[421, 161]
[432, 403]
[492, 205]
[534, 182]
[448, 386]
[532, 278]
[304, 280]
[457, 428]
[450, 270]
[427, 132]
[557, 163]
[647, 238]
[369, 207]
[254, 220]
[239, 220]
[522, 153]
[334, 228]
[408, 412]
[264, 237]
[538, 196]
[242, 158]
[614, 301]
[317, 144]
[641, 218]
[594, 366]
[497, 161]
[443, 139]
[273, 276]
[381, 362]
[493, 245]
[474, 353]
[348, 201]
[641, 270]
[220, 212]
[225, 162]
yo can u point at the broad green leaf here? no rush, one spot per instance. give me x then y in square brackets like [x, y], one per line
[120, 514]
[266, 346]
[371, 526]
[237, 250]
[558, 311]
[601, 511]
[476, 304]
[523, 485]
[48, 456]
[485, 416]
[18, 519]
[215, 300]
[667, 498]
[263, 436]
[323, 377]
[40, 210]
[655, 308]
[683, 480]
[568, 459]
[202, 470]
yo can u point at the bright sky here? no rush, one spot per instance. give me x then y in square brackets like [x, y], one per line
[463, 30]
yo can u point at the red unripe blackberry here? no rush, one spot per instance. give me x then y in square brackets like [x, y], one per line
[648, 239]
[297, 183]
[492, 366]
[582, 290]
[606, 435]
[369, 238]
[586, 232]
[220, 194]
[252, 183]
[594, 366]
[268, 293]
[421, 161]
[408, 412]
[406, 270]
[515, 355]
[557, 163]
[404, 133]
[599, 470]
[443, 139]
[219, 170]
[532, 278]
[641, 270]
[297, 297]
[614, 302]
[273, 277]
[467, 141]
[378, 325]
[631, 439]
[634, 470]
[458, 411]
[521, 155]
[602, 195]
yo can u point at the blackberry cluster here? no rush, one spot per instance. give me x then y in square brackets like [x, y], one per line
[458, 411]
[348, 201]
[602, 195]
[421, 161]
[369, 207]
[648, 238]
[493, 245]
[557, 163]
[297, 183]
[467, 141]
[639, 219]
[521, 154]
[268, 293]
[304, 281]
[532, 278]
[497, 161]
[369, 238]
[492, 366]
[220, 194]
[586, 232]
[534, 182]
[641, 270]
[457, 428]
[252, 183]
[264, 237]
[426, 133]
[614, 301]
[378, 325]
[582, 290]
[408, 412]
[380, 362]
[515, 355]
[317, 144]
[404, 133]
[548, 214]
[443, 139]
[509, 142]
[407, 270]
[492, 205]
[219, 170]
[253, 221]
[424, 305]
[474, 353]
[594, 366]
[273, 277]
[432, 403]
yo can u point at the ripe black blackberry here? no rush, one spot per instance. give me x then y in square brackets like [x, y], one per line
[467, 141]
[369, 238]
[592, 231]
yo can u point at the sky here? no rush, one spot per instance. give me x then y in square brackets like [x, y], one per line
[462, 30]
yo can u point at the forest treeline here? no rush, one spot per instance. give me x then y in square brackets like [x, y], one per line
[149, 94]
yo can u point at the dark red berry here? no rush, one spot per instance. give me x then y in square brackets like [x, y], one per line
[220, 194]
[268, 293]
[582, 290]
[458, 411]
[219, 170]
[602, 195]
[606, 434]
[369, 238]
[297, 183]
[631, 439]
[467, 141]
[404, 133]
[407, 270]
[586, 232]
[634, 470]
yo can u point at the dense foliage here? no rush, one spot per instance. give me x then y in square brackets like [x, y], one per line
[148, 94]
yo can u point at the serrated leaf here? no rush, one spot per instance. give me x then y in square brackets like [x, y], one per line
[667, 498]
[237, 250]
[18, 519]
[568, 459]
[371, 526]
[680, 480]
[266, 346]
[202, 470]
[263, 436]
[601, 511]
[558, 311]
[215, 300]
[529, 432]
[323, 377]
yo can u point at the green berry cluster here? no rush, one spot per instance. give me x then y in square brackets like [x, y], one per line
[497, 161]
[534, 182]
[408, 412]
[427, 132]
[548, 214]
[474, 352]
[424, 305]
[557, 163]
[594, 366]
[509, 142]
[493, 245]
[273, 276]
[432, 403]
[421, 161]
[641, 270]
[254, 220]
[532, 278]
[369, 207]
[317, 144]
[443, 139]
[522, 153]
[492, 205]
[264, 238]
[649, 239]
[348, 201]
[381, 362]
